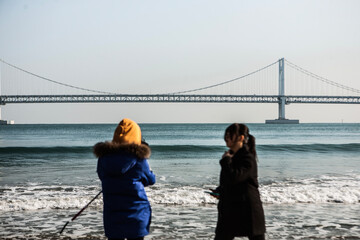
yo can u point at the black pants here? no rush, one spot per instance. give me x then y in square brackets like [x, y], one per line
[259, 237]
[230, 237]
[139, 238]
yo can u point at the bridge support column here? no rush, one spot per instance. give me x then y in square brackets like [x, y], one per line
[282, 101]
[2, 122]
[281, 89]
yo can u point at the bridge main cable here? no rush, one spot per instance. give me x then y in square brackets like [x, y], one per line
[300, 69]
[228, 81]
[53, 81]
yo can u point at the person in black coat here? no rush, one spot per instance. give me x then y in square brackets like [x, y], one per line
[240, 211]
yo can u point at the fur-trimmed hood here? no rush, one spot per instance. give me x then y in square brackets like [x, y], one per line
[104, 148]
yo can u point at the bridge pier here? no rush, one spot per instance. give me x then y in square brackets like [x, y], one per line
[2, 122]
[281, 119]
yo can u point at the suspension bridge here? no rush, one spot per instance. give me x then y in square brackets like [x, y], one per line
[265, 85]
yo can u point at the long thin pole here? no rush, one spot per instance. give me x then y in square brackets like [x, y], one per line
[76, 215]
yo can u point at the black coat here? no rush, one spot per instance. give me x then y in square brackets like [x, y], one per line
[240, 211]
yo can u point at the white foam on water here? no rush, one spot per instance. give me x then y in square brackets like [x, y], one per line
[34, 197]
[285, 221]
[325, 189]
[185, 195]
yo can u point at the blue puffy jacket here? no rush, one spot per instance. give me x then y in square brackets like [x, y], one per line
[124, 172]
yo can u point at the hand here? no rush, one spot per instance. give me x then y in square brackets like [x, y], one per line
[215, 194]
[227, 154]
[149, 165]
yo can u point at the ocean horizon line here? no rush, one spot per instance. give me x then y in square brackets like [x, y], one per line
[185, 123]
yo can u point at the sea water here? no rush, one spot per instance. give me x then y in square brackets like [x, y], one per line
[309, 177]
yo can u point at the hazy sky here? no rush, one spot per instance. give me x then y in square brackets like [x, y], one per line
[161, 45]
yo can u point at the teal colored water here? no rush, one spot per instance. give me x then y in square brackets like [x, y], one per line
[309, 178]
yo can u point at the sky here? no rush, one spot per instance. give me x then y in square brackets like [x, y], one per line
[167, 46]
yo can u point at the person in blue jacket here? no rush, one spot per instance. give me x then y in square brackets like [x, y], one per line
[124, 172]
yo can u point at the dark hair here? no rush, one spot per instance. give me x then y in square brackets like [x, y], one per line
[238, 129]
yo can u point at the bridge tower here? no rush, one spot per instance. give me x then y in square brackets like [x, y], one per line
[2, 122]
[281, 119]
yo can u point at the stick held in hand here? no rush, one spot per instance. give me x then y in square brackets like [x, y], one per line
[76, 215]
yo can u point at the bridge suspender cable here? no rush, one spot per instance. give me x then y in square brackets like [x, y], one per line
[96, 91]
[56, 82]
[222, 83]
[294, 66]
